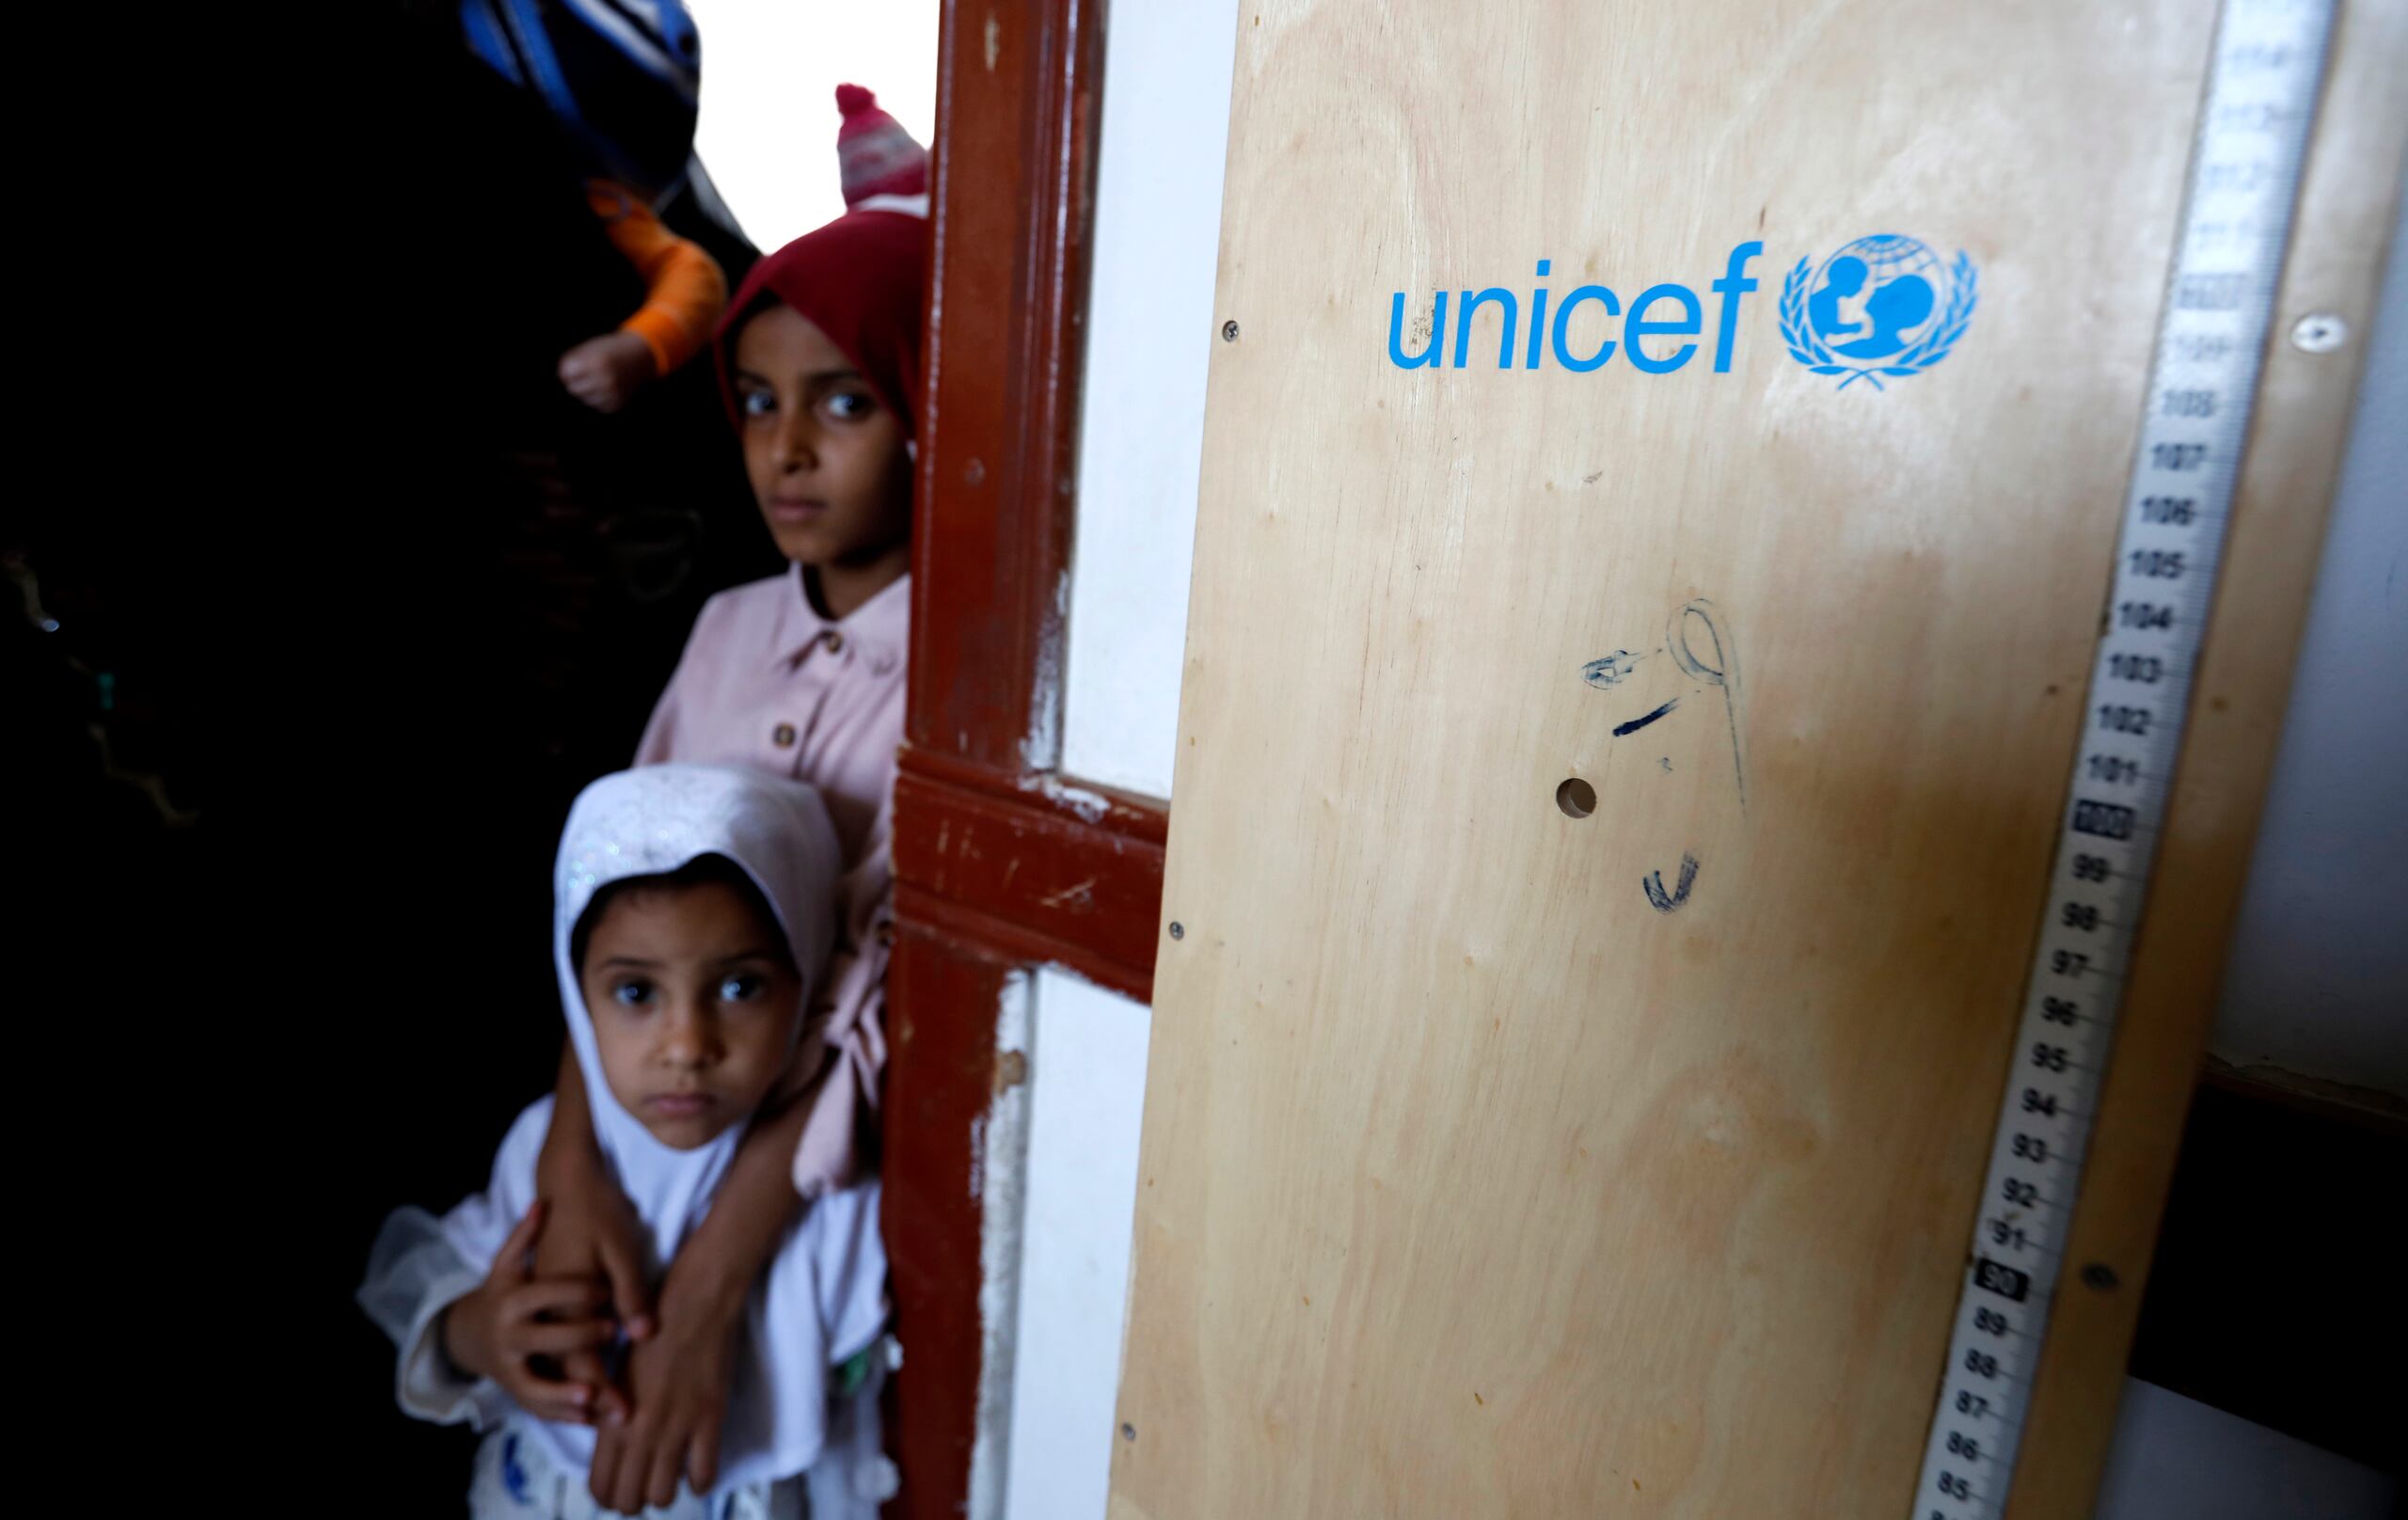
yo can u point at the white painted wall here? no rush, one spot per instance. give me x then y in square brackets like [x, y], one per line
[766, 128]
[1086, 1080]
[2318, 982]
[999, 1179]
[2178, 1459]
[1150, 327]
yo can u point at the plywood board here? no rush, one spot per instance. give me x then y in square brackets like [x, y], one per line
[1503, 1162]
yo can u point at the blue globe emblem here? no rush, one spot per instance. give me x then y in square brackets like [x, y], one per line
[1882, 306]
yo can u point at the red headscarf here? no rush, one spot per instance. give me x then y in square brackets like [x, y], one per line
[859, 280]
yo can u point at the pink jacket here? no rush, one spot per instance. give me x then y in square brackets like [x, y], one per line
[767, 681]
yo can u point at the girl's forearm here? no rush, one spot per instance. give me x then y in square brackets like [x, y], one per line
[569, 1140]
[755, 1206]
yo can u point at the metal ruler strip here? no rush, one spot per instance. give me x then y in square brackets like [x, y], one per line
[2246, 163]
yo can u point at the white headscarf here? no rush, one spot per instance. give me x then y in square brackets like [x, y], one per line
[819, 1298]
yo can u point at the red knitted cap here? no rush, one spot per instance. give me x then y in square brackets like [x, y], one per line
[859, 280]
[875, 156]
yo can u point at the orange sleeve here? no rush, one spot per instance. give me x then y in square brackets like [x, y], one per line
[685, 291]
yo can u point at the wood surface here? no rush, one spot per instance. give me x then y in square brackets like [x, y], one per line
[1474, 1181]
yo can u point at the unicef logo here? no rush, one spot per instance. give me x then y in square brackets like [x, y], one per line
[1881, 305]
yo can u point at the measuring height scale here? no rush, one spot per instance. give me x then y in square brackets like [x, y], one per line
[2260, 103]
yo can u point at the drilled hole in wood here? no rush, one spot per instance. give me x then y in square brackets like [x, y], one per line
[1577, 797]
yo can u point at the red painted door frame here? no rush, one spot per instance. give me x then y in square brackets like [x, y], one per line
[997, 868]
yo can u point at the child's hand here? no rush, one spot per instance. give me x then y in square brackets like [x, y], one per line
[516, 1316]
[590, 1233]
[605, 372]
[679, 1380]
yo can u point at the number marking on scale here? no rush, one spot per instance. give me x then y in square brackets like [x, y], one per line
[2262, 85]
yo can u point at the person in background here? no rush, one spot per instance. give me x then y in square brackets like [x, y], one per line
[684, 293]
[620, 78]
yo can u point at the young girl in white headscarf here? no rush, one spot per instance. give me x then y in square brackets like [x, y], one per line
[692, 904]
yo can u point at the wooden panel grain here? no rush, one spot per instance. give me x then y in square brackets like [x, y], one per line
[1496, 1160]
